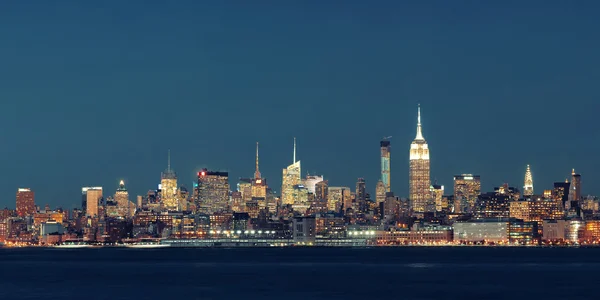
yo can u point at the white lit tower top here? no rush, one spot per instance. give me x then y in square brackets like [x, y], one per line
[528, 184]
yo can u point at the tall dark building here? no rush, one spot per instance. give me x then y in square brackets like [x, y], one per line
[561, 192]
[386, 150]
[322, 191]
[361, 189]
[575, 188]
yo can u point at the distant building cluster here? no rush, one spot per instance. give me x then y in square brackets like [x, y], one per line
[309, 211]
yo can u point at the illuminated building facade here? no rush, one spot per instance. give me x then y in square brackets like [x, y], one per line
[466, 189]
[300, 195]
[291, 177]
[385, 163]
[213, 191]
[311, 181]
[561, 192]
[321, 191]
[492, 205]
[575, 187]
[528, 183]
[419, 173]
[244, 186]
[536, 209]
[380, 192]
[437, 193]
[124, 206]
[94, 195]
[259, 185]
[25, 202]
[489, 230]
[512, 192]
[336, 197]
[168, 188]
[361, 189]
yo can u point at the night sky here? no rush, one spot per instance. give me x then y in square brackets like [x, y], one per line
[97, 91]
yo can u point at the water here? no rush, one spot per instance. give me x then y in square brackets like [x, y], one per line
[301, 273]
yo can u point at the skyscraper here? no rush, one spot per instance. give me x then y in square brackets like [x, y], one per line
[84, 196]
[291, 177]
[385, 163]
[259, 185]
[380, 191]
[93, 196]
[437, 192]
[25, 202]
[466, 189]
[321, 191]
[528, 185]
[311, 181]
[561, 192]
[124, 206]
[213, 191]
[168, 187]
[575, 188]
[419, 173]
[361, 189]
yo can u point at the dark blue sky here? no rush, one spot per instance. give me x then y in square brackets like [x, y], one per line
[93, 92]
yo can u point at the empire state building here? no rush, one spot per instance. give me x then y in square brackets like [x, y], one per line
[419, 174]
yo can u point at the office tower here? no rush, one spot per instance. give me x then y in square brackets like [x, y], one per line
[125, 208]
[94, 195]
[466, 189]
[168, 187]
[391, 208]
[560, 192]
[321, 191]
[380, 191]
[122, 195]
[361, 190]
[385, 163]
[419, 173]
[337, 197]
[244, 186]
[25, 202]
[311, 181]
[528, 185]
[575, 188]
[437, 193]
[213, 191]
[84, 196]
[300, 195]
[291, 177]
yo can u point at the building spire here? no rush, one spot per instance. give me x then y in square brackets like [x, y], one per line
[294, 149]
[528, 184]
[169, 160]
[419, 132]
[257, 172]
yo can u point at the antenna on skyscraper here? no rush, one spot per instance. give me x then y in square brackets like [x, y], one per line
[294, 149]
[169, 160]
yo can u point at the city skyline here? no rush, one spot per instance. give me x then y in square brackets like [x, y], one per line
[169, 175]
[94, 95]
